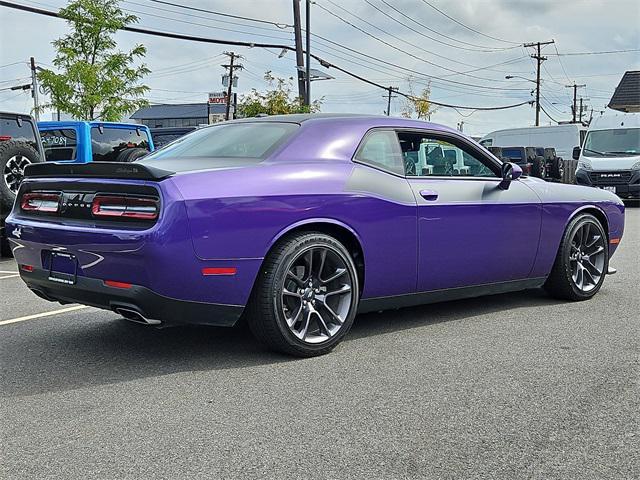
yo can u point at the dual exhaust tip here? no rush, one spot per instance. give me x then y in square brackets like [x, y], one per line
[135, 316]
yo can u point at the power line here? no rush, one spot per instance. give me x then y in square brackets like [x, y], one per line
[547, 114]
[239, 17]
[369, 34]
[11, 64]
[194, 15]
[595, 53]
[204, 25]
[323, 62]
[477, 48]
[467, 27]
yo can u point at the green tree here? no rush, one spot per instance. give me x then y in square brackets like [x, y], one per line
[95, 80]
[418, 104]
[278, 99]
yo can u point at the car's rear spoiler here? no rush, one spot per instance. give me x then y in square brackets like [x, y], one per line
[134, 171]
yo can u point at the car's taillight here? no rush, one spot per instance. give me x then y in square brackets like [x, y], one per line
[40, 202]
[5, 138]
[128, 207]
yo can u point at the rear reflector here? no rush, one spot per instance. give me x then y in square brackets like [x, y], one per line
[614, 241]
[113, 283]
[219, 271]
[27, 268]
[124, 206]
[4, 138]
[40, 202]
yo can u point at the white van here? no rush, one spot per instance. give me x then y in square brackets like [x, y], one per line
[610, 155]
[561, 137]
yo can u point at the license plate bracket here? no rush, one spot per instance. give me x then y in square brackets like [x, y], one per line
[63, 268]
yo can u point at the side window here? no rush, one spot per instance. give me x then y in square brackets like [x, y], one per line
[424, 156]
[380, 149]
[109, 144]
[59, 144]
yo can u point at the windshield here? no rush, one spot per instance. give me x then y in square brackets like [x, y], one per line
[617, 142]
[230, 140]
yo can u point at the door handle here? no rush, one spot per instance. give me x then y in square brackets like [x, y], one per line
[429, 195]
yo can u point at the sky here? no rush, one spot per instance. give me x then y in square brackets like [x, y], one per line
[462, 49]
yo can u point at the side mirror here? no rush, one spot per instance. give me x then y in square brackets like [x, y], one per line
[576, 153]
[510, 172]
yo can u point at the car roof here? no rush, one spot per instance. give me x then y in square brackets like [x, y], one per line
[353, 118]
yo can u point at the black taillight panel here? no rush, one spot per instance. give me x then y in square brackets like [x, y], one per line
[126, 205]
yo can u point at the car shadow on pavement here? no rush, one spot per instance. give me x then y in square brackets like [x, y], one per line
[97, 348]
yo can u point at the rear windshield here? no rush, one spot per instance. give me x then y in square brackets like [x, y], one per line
[59, 144]
[24, 131]
[161, 139]
[108, 145]
[247, 141]
[513, 154]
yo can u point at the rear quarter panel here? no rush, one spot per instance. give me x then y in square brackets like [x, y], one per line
[241, 213]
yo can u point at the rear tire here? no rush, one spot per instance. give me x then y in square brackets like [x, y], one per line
[582, 261]
[306, 296]
[538, 168]
[557, 168]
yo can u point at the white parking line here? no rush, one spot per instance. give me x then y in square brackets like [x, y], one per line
[10, 276]
[43, 314]
[8, 271]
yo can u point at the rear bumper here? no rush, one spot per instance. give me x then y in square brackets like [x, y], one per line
[147, 303]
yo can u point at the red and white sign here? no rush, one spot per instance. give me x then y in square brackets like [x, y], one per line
[218, 97]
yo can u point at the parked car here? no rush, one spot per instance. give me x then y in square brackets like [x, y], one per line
[82, 142]
[296, 223]
[20, 146]
[561, 137]
[164, 135]
[610, 157]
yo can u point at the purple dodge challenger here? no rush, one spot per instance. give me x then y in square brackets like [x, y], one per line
[296, 223]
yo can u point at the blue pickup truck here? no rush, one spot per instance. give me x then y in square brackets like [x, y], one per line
[83, 142]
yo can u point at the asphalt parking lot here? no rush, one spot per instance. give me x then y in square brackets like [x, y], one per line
[509, 386]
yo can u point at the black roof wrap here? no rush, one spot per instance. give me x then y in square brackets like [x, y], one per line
[134, 171]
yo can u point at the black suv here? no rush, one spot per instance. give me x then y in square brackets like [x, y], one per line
[534, 161]
[20, 145]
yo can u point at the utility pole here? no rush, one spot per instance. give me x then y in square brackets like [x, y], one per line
[231, 67]
[302, 93]
[390, 91]
[539, 58]
[34, 90]
[574, 107]
[307, 78]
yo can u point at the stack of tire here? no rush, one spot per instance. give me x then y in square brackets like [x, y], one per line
[14, 157]
[554, 164]
[538, 164]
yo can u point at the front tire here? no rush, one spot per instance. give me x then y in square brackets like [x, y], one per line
[582, 261]
[305, 299]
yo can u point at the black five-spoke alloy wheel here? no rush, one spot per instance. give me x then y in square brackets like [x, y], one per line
[582, 261]
[306, 297]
